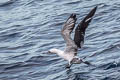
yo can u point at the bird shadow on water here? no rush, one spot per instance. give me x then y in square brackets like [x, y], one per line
[71, 75]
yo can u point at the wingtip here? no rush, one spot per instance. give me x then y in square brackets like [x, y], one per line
[96, 7]
[91, 13]
[73, 15]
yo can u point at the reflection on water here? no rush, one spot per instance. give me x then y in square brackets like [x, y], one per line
[29, 28]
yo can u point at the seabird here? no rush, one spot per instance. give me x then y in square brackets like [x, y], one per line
[72, 46]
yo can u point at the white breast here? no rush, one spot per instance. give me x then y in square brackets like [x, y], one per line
[66, 56]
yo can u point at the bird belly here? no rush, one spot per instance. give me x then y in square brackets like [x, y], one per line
[68, 57]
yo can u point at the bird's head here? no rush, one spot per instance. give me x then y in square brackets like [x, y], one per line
[76, 60]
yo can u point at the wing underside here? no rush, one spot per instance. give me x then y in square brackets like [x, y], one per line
[66, 31]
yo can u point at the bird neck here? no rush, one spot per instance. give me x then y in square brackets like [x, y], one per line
[76, 60]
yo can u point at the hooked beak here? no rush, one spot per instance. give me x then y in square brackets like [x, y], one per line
[86, 62]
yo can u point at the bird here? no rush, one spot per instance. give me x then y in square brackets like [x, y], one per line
[72, 45]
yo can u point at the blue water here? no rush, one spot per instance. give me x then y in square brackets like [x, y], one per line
[29, 28]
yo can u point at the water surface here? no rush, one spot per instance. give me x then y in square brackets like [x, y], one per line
[28, 28]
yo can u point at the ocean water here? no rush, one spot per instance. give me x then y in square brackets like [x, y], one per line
[29, 28]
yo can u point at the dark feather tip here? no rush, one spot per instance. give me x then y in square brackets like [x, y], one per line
[73, 15]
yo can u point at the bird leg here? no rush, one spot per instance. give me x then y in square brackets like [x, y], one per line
[68, 65]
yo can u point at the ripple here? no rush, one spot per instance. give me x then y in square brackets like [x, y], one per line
[6, 2]
[29, 28]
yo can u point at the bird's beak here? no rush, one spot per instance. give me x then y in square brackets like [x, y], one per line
[86, 62]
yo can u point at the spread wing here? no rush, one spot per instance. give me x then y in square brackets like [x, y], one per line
[80, 30]
[66, 31]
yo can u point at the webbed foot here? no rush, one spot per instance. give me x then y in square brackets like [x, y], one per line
[67, 66]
